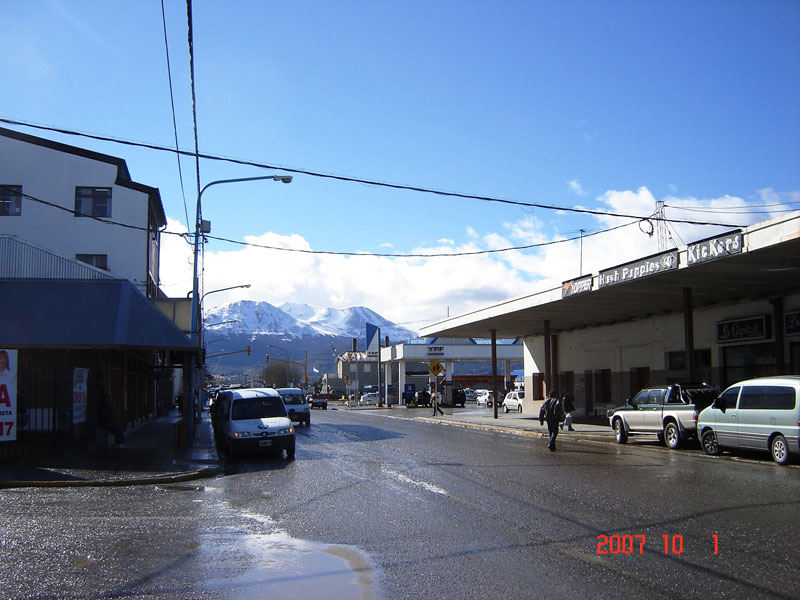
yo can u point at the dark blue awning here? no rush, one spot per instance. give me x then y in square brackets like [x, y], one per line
[71, 313]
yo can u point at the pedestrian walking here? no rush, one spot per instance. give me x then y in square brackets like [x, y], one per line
[569, 408]
[437, 397]
[551, 411]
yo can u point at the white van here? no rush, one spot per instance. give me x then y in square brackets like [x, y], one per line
[757, 414]
[253, 420]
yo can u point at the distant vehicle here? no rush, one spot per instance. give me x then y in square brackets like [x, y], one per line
[317, 401]
[459, 397]
[513, 401]
[296, 405]
[370, 389]
[469, 393]
[667, 411]
[369, 398]
[758, 414]
[253, 420]
[484, 397]
[422, 398]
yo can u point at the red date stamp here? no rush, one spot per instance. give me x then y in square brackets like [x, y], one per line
[635, 544]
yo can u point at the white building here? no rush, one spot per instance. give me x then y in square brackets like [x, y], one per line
[82, 205]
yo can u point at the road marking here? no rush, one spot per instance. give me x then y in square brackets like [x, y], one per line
[427, 486]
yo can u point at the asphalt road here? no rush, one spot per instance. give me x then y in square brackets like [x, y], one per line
[379, 506]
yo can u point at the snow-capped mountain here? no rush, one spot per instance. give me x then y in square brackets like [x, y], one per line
[299, 320]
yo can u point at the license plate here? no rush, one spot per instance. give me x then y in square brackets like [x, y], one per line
[265, 442]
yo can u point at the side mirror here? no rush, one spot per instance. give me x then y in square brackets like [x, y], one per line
[721, 404]
[628, 402]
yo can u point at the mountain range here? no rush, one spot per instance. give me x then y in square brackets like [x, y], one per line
[292, 329]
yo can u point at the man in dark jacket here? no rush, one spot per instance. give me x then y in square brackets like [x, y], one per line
[551, 411]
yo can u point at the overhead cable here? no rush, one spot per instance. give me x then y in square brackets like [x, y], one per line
[397, 186]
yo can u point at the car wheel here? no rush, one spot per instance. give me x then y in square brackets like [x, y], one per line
[290, 452]
[779, 450]
[519, 408]
[308, 422]
[672, 436]
[505, 408]
[709, 443]
[619, 432]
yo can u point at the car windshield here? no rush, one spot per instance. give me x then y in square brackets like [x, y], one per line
[257, 408]
[292, 398]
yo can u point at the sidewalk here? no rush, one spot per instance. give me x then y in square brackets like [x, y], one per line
[149, 455]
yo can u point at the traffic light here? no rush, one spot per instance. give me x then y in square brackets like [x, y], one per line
[248, 351]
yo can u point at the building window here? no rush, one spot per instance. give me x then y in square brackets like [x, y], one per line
[10, 200]
[676, 361]
[93, 202]
[96, 260]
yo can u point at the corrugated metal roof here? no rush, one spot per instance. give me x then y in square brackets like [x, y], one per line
[110, 313]
[20, 259]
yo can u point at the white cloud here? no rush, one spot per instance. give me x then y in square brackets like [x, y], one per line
[419, 290]
[576, 187]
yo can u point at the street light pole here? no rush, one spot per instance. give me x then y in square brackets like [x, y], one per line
[198, 223]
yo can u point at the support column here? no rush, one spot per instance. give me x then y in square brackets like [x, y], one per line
[777, 326]
[401, 379]
[494, 371]
[448, 388]
[547, 360]
[688, 333]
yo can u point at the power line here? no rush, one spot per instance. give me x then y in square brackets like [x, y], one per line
[344, 178]
[174, 119]
[324, 252]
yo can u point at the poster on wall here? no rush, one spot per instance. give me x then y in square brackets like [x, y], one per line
[8, 395]
[79, 390]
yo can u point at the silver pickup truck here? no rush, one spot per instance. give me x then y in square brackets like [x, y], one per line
[667, 411]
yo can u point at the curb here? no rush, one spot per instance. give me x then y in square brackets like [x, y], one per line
[73, 483]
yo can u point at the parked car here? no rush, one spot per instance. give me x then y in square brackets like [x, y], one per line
[459, 397]
[317, 401]
[421, 398]
[369, 398]
[253, 420]
[513, 401]
[484, 397]
[469, 393]
[757, 414]
[666, 411]
[296, 405]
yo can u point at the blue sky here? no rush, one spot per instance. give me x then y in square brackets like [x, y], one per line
[605, 105]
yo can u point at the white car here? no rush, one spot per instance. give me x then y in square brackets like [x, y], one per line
[513, 401]
[370, 398]
[484, 397]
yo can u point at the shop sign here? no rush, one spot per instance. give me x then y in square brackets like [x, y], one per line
[742, 330]
[8, 395]
[667, 261]
[576, 286]
[792, 323]
[435, 350]
[717, 247]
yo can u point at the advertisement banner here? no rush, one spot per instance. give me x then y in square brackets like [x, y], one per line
[8, 395]
[652, 265]
[79, 389]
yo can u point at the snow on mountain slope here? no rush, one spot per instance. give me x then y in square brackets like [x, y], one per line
[299, 320]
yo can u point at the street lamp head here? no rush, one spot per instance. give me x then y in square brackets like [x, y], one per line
[282, 178]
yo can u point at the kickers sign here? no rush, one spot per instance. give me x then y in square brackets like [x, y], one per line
[8, 395]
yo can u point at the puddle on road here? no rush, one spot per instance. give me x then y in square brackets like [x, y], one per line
[281, 566]
[292, 568]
